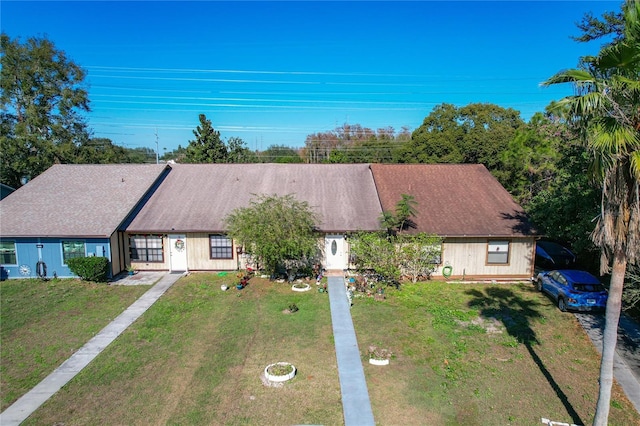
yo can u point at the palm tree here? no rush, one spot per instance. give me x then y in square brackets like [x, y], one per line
[606, 111]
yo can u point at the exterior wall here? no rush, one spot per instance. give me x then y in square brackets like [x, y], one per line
[199, 257]
[149, 266]
[466, 256]
[117, 254]
[30, 250]
[468, 259]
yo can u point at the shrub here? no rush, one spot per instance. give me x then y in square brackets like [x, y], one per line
[90, 268]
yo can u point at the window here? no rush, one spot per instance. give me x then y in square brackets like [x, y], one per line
[72, 249]
[221, 247]
[146, 248]
[498, 252]
[8, 253]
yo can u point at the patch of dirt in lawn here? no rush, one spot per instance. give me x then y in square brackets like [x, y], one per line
[490, 325]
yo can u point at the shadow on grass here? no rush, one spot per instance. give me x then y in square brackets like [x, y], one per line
[517, 314]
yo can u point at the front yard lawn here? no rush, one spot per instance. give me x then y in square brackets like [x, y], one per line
[43, 322]
[463, 354]
[196, 357]
[480, 354]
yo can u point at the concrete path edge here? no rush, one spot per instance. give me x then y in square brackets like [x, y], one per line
[356, 404]
[32, 400]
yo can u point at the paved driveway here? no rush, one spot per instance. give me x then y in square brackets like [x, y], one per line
[627, 362]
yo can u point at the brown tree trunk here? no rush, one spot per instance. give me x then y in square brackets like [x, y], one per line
[610, 338]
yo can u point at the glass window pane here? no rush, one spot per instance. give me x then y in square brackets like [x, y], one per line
[72, 249]
[8, 253]
[146, 248]
[498, 252]
[221, 247]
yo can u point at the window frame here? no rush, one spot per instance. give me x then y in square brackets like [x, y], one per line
[220, 248]
[78, 254]
[498, 243]
[15, 252]
[157, 252]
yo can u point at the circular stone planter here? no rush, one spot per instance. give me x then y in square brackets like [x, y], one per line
[305, 287]
[276, 378]
[378, 361]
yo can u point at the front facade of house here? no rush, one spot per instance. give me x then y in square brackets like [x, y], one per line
[176, 220]
[71, 211]
[192, 232]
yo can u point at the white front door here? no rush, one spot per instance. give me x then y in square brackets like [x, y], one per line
[334, 252]
[177, 252]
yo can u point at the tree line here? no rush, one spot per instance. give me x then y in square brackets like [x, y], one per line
[571, 166]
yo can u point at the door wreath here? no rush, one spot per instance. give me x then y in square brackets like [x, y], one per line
[179, 245]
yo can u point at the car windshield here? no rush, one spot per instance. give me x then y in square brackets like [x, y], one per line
[588, 287]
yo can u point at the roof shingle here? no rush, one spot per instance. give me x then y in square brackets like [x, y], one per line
[452, 199]
[198, 197]
[76, 200]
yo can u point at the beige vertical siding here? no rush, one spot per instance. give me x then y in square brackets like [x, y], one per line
[199, 257]
[468, 258]
[116, 267]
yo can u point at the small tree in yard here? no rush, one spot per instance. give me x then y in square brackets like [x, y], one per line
[418, 254]
[392, 256]
[393, 253]
[278, 231]
[375, 252]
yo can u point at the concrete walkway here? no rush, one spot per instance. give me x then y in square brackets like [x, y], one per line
[29, 402]
[356, 405]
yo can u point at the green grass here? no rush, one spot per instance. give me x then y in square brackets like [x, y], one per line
[463, 354]
[470, 354]
[197, 355]
[44, 322]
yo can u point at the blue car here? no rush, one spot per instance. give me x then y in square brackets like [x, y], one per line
[573, 289]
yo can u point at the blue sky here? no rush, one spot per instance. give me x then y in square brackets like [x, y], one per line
[272, 73]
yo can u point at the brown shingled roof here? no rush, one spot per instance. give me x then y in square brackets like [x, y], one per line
[76, 200]
[453, 199]
[198, 197]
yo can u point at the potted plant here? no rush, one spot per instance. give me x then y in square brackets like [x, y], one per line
[280, 372]
[131, 270]
[379, 356]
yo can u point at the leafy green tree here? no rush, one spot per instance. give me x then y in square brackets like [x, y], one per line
[564, 206]
[280, 154]
[488, 129]
[419, 254]
[237, 152]
[392, 256]
[42, 99]
[100, 151]
[437, 139]
[593, 28]
[606, 110]
[375, 251]
[207, 146]
[476, 133]
[277, 231]
[400, 219]
[176, 155]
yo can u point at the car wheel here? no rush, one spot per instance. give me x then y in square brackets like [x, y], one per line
[539, 284]
[562, 305]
